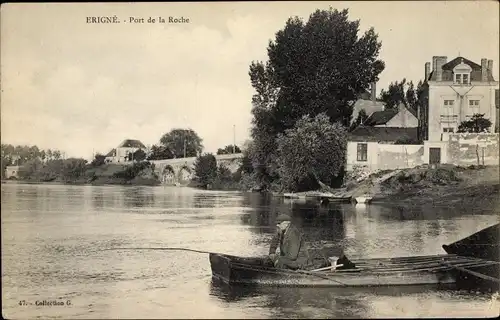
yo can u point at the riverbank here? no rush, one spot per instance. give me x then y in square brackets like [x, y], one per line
[421, 186]
[137, 174]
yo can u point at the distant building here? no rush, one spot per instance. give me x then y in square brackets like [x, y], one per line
[12, 172]
[121, 153]
[400, 117]
[367, 101]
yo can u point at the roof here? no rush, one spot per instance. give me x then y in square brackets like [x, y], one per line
[475, 75]
[381, 117]
[382, 134]
[112, 153]
[367, 105]
[130, 143]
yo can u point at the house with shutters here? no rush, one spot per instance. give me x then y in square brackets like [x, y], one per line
[453, 92]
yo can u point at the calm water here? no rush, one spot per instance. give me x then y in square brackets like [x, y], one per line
[53, 239]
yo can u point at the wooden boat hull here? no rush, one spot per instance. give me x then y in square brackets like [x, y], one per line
[403, 271]
[483, 244]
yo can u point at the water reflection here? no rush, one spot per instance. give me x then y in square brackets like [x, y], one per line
[316, 302]
[137, 197]
[53, 240]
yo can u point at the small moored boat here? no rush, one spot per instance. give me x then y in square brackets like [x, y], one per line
[363, 199]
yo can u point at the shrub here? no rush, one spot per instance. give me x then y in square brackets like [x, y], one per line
[205, 170]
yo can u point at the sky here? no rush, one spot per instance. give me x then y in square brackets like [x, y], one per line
[83, 88]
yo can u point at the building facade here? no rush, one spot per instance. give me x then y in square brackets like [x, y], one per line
[454, 92]
[122, 152]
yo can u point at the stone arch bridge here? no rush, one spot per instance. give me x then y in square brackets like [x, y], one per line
[180, 170]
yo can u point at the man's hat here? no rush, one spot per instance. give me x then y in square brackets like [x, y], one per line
[283, 217]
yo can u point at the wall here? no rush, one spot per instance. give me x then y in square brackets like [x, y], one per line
[398, 156]
[11, 171]
[404, 119]
[385, 156]
[352, 156]
[440, 91]
[463, 148]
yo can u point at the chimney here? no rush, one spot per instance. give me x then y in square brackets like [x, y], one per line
[427, 71]
[440, 62]
[374, 92]
[484, 70]
[434, 63]
[490, 68]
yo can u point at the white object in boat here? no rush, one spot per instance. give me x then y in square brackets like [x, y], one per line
[363, 199]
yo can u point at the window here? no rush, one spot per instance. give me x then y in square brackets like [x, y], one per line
[462, 78]
[362, 152]
[449, 130]
[465, 79]
[473, 103]
[449, 102]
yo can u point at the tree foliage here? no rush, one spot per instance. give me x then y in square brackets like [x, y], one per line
[160, 153]
[314, 67]
[63, 170]
[229, 149]
[138, 155]
[180, 140]
[205, 170]
[98, 160]
[314, 150]
[20, 155]
[403, 92]
[476, 124]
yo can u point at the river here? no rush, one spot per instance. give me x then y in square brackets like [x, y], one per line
[54, 236]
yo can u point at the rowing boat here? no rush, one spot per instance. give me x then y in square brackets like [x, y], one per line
[483, 244]
[416, 270]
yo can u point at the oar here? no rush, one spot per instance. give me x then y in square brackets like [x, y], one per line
[327, 268]
[474, 273]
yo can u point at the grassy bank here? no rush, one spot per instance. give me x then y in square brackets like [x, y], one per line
[446, 184]
[421, 186]
[141, 173]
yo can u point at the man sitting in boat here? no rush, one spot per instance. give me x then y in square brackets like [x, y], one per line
[293, 253]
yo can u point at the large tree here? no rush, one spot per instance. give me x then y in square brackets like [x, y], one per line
[182, 142]
[319, 66]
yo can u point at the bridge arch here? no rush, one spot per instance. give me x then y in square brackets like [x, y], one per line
[168, 175]
[185, 174]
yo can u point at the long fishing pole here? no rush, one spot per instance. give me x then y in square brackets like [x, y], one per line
[162, 248]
